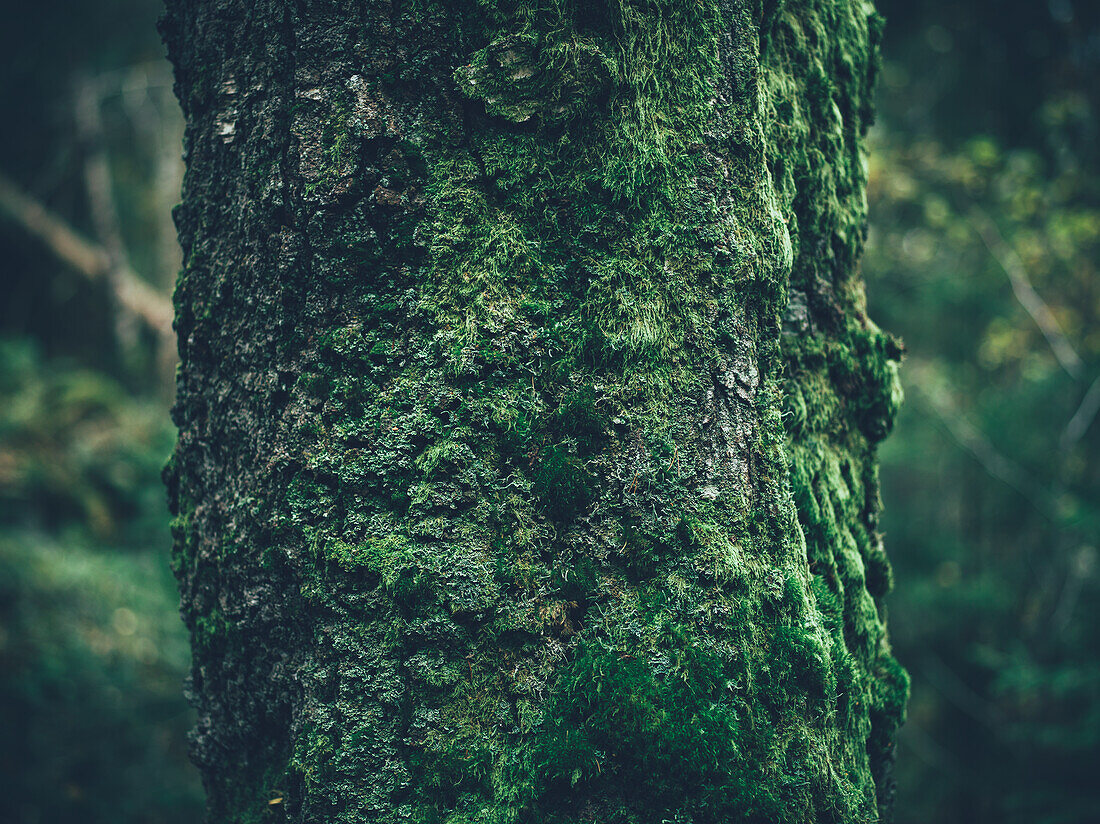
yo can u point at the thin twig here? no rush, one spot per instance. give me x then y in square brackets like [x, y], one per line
[1082, 419]
[954, 688]
[1010, 262]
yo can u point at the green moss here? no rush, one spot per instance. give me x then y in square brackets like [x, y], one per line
[579, 415]
[561, 483]
[334, 143]
[659, 720]
[211, 633]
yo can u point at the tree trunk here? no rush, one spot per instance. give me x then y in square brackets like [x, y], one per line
[528, 408]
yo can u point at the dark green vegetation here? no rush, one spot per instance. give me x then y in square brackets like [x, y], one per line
[986, 167]
[93, 725]
[528, 410]
[90, 653]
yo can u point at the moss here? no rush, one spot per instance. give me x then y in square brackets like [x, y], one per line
[562, 483]
[666, 727]
[211, 633]
[333, 145]
[579, 415]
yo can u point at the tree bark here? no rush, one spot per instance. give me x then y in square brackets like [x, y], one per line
[528, 408]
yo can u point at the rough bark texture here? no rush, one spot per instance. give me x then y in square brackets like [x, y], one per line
[528, 407]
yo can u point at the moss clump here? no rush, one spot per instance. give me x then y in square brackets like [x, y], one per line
[657, 731]
[562, 483]
[579, 416]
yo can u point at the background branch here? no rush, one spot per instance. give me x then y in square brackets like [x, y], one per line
[1010, 262]
[89, 259]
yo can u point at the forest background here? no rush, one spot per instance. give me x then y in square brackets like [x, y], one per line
[983, 257]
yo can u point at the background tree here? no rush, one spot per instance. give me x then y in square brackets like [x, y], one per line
[528, 407]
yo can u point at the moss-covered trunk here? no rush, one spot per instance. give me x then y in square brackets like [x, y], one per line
[528, 407]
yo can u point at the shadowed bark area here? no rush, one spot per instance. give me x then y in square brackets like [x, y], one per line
[527, 408]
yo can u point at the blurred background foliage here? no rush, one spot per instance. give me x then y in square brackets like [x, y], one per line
[93, 723]
[982, 257]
